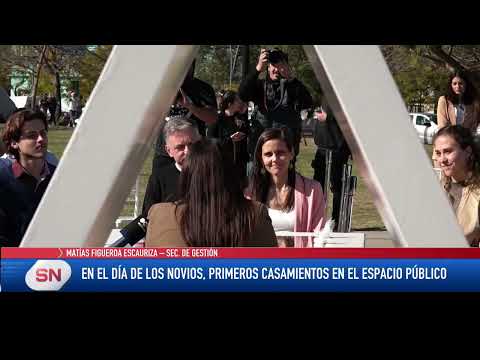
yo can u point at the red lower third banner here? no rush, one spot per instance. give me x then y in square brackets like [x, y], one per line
[191, 253]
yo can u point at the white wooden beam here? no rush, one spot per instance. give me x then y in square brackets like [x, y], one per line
[393, 164]
[108, 148]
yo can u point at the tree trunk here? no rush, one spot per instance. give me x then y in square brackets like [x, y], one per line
[58, 95]
[234, 65]
[37, 76]
[245, 60]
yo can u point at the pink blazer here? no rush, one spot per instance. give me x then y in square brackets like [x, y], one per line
[309, 209]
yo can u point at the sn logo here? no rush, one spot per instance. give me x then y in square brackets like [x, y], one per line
[48, 275]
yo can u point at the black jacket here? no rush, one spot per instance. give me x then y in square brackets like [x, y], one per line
[19, 199]
[224, 128]
[162, 187]
[327, 134]
[279, 103]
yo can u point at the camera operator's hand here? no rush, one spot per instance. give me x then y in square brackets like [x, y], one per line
[238, 136]
[262, 60]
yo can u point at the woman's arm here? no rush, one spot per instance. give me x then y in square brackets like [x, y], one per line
[442, 112]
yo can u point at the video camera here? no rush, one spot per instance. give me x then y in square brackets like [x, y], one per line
[275, 56]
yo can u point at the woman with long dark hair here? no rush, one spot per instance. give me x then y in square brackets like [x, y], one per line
[212, 210]
[294, 202]
[460, 104]
[458, 157]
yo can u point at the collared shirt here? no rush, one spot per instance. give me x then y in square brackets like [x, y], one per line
[24, 176]
[20, 193]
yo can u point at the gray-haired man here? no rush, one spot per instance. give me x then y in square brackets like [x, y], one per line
[179, 135]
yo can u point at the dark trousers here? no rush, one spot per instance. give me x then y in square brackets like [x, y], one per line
[339, 159]
[53, 119]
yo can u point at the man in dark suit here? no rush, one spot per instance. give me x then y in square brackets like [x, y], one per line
[197, 103]
[179, 135]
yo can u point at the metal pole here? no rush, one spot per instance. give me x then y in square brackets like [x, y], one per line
[347, 172]
[342, 206]
[351, 193]
[245, 60]
[137, 207]
[328, 168]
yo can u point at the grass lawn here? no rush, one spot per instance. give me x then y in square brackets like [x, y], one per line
[365, 215]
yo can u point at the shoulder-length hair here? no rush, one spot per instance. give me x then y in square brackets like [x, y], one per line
[464, 138]
[261, 179]
[470, 94]
[214, 211]
[14, 125]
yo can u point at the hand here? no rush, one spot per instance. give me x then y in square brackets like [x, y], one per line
[238, 136]
[262, 60]
[321, 116]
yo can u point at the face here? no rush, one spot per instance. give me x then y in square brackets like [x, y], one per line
[452, 158]
[33, 141]
[178, 144]
[237, 107]
[276, 157]
[276, 71]
[458, 85]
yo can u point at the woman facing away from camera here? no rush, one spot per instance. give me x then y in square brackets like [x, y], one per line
[212, 210]
[457, 155]
[294, 202]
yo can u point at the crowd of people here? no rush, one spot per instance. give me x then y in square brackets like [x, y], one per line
[48, 105]
[222, 178]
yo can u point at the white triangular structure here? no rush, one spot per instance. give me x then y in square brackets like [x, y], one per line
[109, 146]
[392, 162]
[132, 97]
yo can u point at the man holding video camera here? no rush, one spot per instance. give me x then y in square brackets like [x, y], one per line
[280, 96]
[196, 102]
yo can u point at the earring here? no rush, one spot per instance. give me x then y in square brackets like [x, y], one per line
[262, 171]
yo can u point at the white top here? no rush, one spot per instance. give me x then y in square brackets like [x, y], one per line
[282, 221]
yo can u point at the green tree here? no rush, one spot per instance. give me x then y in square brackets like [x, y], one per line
[213, 66]
[90, 67]
[419, 79]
